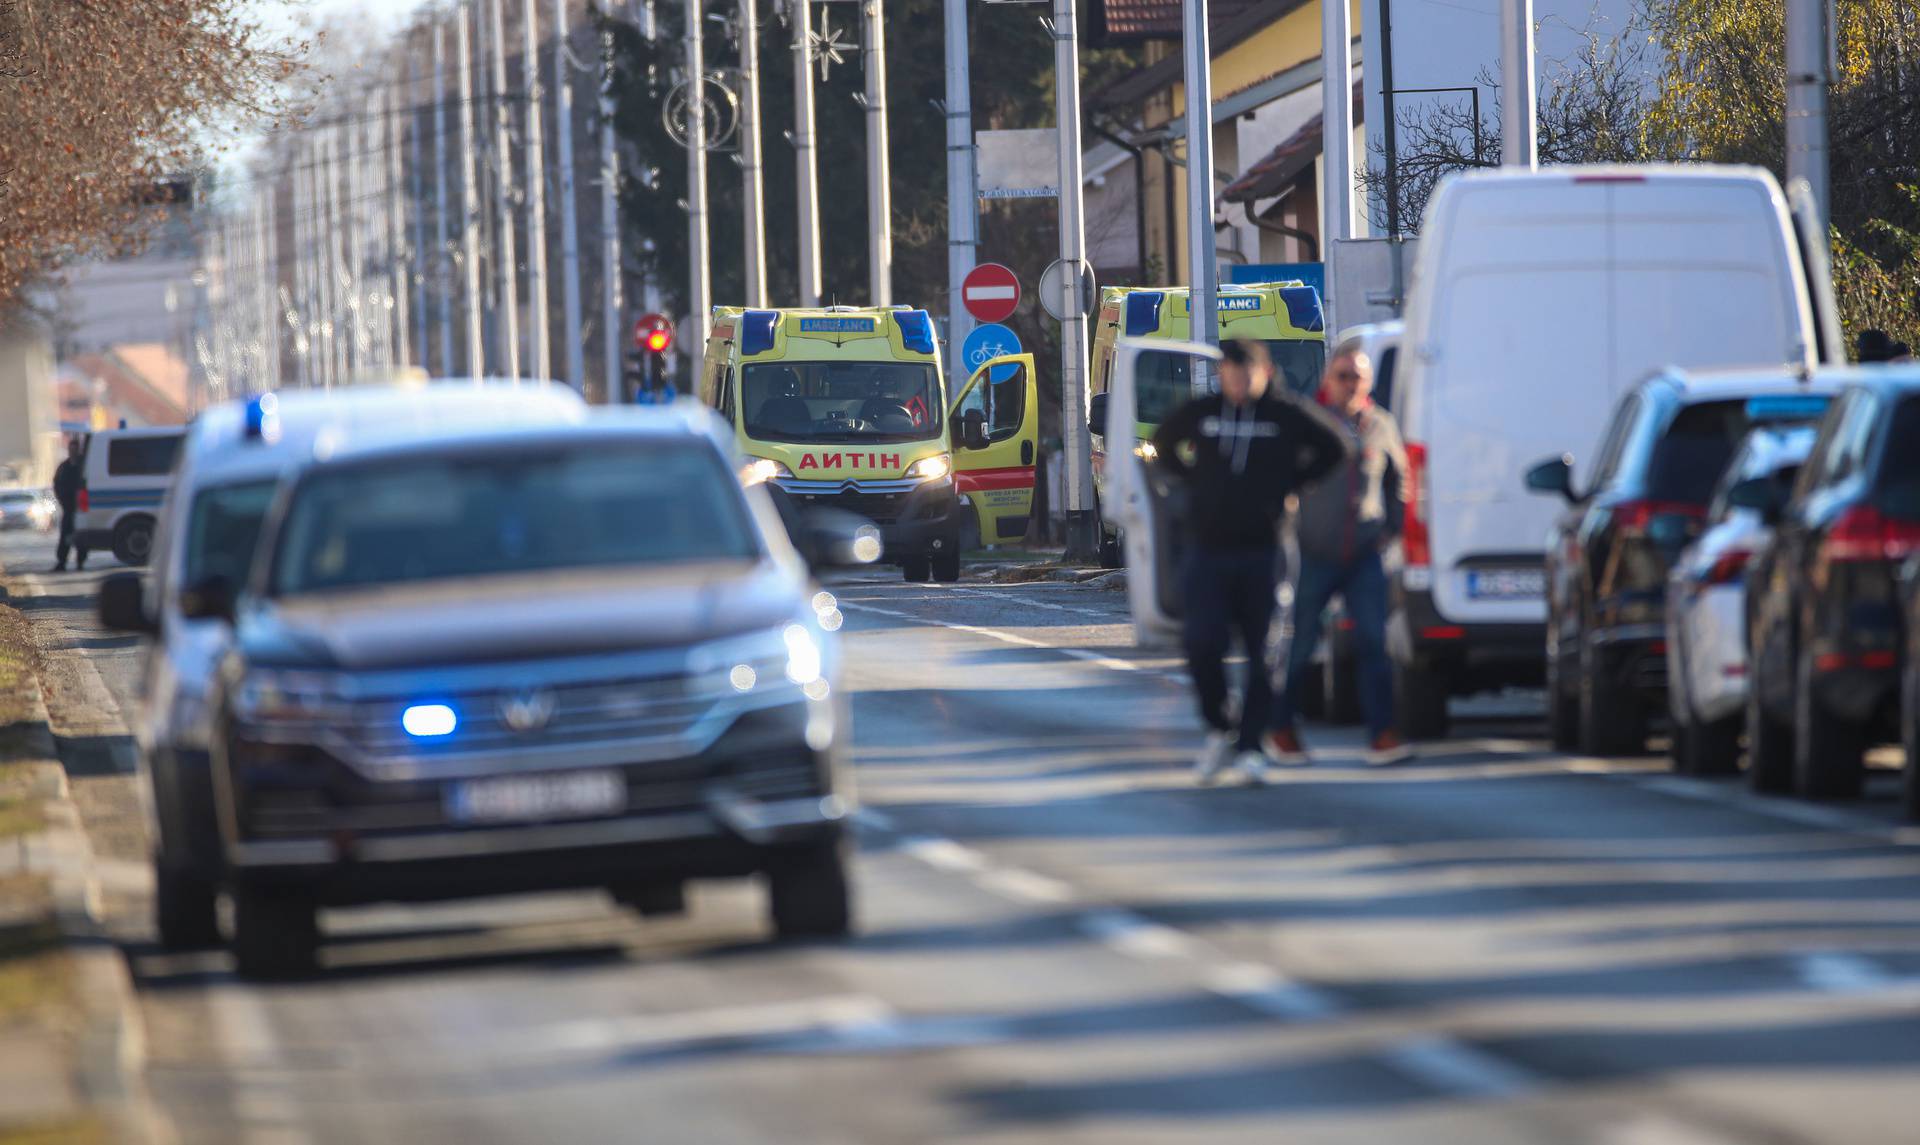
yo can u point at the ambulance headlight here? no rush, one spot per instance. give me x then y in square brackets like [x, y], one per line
[760, 470]
[931, 468]
[1146, 451]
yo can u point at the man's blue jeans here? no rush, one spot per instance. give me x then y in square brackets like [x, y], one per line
[1362, 584]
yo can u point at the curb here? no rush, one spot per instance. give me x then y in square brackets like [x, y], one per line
[111, 1050]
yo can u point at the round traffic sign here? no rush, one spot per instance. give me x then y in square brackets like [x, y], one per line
[1054, 288]
[990, 292]
[985, 344]
[648, 324]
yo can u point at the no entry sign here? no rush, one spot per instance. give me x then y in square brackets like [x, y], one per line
[990, 293]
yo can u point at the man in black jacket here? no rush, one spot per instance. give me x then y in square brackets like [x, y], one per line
[67, 480]
[1243, 452]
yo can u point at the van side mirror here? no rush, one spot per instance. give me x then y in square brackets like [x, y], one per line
[1553, 476]
[973, 430]
[1762, 495]
[1097, 414]
[122, 605]
[209, 599]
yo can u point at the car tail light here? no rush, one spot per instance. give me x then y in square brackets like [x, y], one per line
[1729, 567]
[80, 502]
[1864, 533]
[1415, 541]
[1632, 518]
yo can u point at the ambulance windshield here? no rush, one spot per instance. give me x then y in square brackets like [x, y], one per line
[840, 401]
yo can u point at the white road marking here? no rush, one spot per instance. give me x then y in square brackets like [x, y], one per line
[263, 1099]
[1129, 933]
[1025, 885]
[1456, 1067]
[1838, 972]
[945, 855]
[996, 634]
[1265, 989]
[1026, 601]
[1789, 810]
[1655, 1129]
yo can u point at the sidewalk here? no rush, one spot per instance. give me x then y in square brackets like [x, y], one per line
[69, 1035]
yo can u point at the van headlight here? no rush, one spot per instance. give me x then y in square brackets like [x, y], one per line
[760, 470]
[265, 697]
[1146, 451]
[803, 655]
[931, 468]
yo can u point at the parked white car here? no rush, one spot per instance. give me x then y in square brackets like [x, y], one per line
[1706, 608]
[1539, 299]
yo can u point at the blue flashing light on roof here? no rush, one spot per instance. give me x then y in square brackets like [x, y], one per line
[916, 330]
[1303, 307]
[756, 331]
[1787, 407]
[1143, 312]
[263, 417]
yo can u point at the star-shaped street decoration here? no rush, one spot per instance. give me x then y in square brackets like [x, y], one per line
[827, 46]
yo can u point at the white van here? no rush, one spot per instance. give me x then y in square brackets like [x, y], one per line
[124, 475]
[1539, 299]
[228, 474]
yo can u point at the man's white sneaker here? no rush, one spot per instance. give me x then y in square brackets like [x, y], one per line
[1214, 757]
[1252, 765]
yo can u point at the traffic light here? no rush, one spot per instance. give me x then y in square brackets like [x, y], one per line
[658, 340]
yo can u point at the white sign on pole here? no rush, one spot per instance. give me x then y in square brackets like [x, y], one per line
[1018, 164]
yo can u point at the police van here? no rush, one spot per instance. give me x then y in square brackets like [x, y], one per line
[846, 407]
[1286, 317]
[125, 477]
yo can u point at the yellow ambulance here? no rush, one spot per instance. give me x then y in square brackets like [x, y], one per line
[1285, 316]
[846, 407]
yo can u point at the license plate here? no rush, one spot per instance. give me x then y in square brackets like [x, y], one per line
[1506, 584]
[518, 798]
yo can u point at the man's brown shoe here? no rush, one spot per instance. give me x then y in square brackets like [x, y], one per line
[1388, 748]
[1284, 748]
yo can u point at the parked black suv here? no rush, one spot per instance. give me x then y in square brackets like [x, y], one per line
[497, 662]
[1609, 554]
[1824, 627]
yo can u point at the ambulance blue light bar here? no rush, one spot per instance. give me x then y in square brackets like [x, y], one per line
[916, 330]
[1143, 312]
[1303, 307]
[756, 331]
[1787, 407]
[263, 418]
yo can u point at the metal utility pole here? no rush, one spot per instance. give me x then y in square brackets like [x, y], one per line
[1390, 136]
[963, 205]
[879, 196]
[1203, 324]
[420, 254]
[398, 257]
[443, 282]
[341, 314]
[1082, 528]
[612, 336]
[469, 200]
[569, 207]
[536, 198]
[503, 197]
[807, 171]
[698, 300]
[1519, 138]
[755, 237]
[1336, 138]
[1810, 64]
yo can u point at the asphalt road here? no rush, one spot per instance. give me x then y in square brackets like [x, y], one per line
[1064, 940]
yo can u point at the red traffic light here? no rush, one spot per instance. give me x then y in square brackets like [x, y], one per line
[658, 340]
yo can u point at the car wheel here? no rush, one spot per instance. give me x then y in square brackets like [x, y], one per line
[276, 933]
[653, 900]
[185, 909]
[808, 892]
[1342, 682]
[1422, 702]
[1910, 739]
[1829, 754]
[946, 566]
[1563, 703]
[1611, 722]
[1712, 748]
[915, 570]
[133, 540]
[1769, 743]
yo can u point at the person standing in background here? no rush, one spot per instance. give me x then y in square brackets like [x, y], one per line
[67, 480]
[1346, 528]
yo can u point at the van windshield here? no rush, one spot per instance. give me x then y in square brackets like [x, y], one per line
[1163, 382]
[223, 529]
[841, 401]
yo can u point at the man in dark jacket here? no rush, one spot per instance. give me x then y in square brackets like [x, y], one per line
[1345, 527]
[67, 480]
[1249, 449]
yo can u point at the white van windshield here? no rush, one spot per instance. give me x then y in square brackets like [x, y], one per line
[840, 401]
